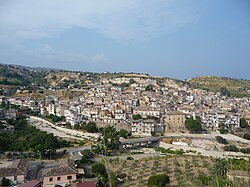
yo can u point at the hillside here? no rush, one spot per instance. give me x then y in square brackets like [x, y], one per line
[14, 75]
[236, 87]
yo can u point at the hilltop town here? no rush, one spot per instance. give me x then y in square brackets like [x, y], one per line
[152, 117]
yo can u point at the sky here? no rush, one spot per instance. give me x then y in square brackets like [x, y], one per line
[170, 38]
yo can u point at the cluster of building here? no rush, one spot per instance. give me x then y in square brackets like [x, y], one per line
[140, 109]
[34, 173]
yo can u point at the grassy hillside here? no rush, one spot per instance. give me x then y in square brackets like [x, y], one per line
[236, 87]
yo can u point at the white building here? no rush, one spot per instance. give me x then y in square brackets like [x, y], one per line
[146, 127]
[51, 109]
[72, 117]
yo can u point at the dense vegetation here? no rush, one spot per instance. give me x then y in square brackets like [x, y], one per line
[158, 180]
[224, 91]
[243, 123]
[246, 136]
[55, 119]
[136, 117]
[109, 141]
[27, 138]
[100, 172]
[221, 140]
[193, 125]
[90, 127]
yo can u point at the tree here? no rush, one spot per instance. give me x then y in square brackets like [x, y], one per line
[123, 133]
[232, 148]
[136, 117]
[221, 140]
[99, 170]
[193, 125]
[223, 130]
[224, 91]
[5, 182]
[87, 154]
[132, 81]
[124, 85]
[243, 123]
[246, 136]
[220, 168]
[245, 150]
[109, 140]
[90, 127]
[149, 88]
[158, 180]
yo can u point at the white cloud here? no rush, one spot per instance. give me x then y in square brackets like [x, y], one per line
[120, 20]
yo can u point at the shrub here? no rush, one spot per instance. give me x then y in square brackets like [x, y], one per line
[221, 140]
[245, 150]
[223, 130]
[246, 136]
[5, 182]
[158, 180]
[232, 148]
[243, 123]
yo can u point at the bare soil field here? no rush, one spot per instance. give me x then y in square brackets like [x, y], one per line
[182, 170]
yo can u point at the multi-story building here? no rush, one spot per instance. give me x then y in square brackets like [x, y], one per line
[61, 173]
[174, 121]
[147, 127]
[146, 111]
[73, 117]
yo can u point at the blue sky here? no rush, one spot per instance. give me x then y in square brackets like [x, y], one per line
[170, 38]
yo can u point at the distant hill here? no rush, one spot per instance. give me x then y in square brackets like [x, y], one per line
[15, 75]
[236, 87]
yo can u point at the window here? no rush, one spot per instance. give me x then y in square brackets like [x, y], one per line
[50, 179]
[58, 178]
[15, 178]
[69, 177]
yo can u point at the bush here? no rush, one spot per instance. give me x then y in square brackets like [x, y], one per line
[130, 158]
[245, 150]
[239, 164]
[5, 182]
[246, 136]
[158, 180]
[243, 123]
[232, 148]
[99, 168]
[225, 92]
[223, 130]
[123, 133]
[221, 140]
[193, 125]
[169, 151]
[90, 127]
[137, 117]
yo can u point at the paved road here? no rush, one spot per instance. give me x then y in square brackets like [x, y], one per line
[140, 140]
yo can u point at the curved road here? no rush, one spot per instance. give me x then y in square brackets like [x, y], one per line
[49, 127]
